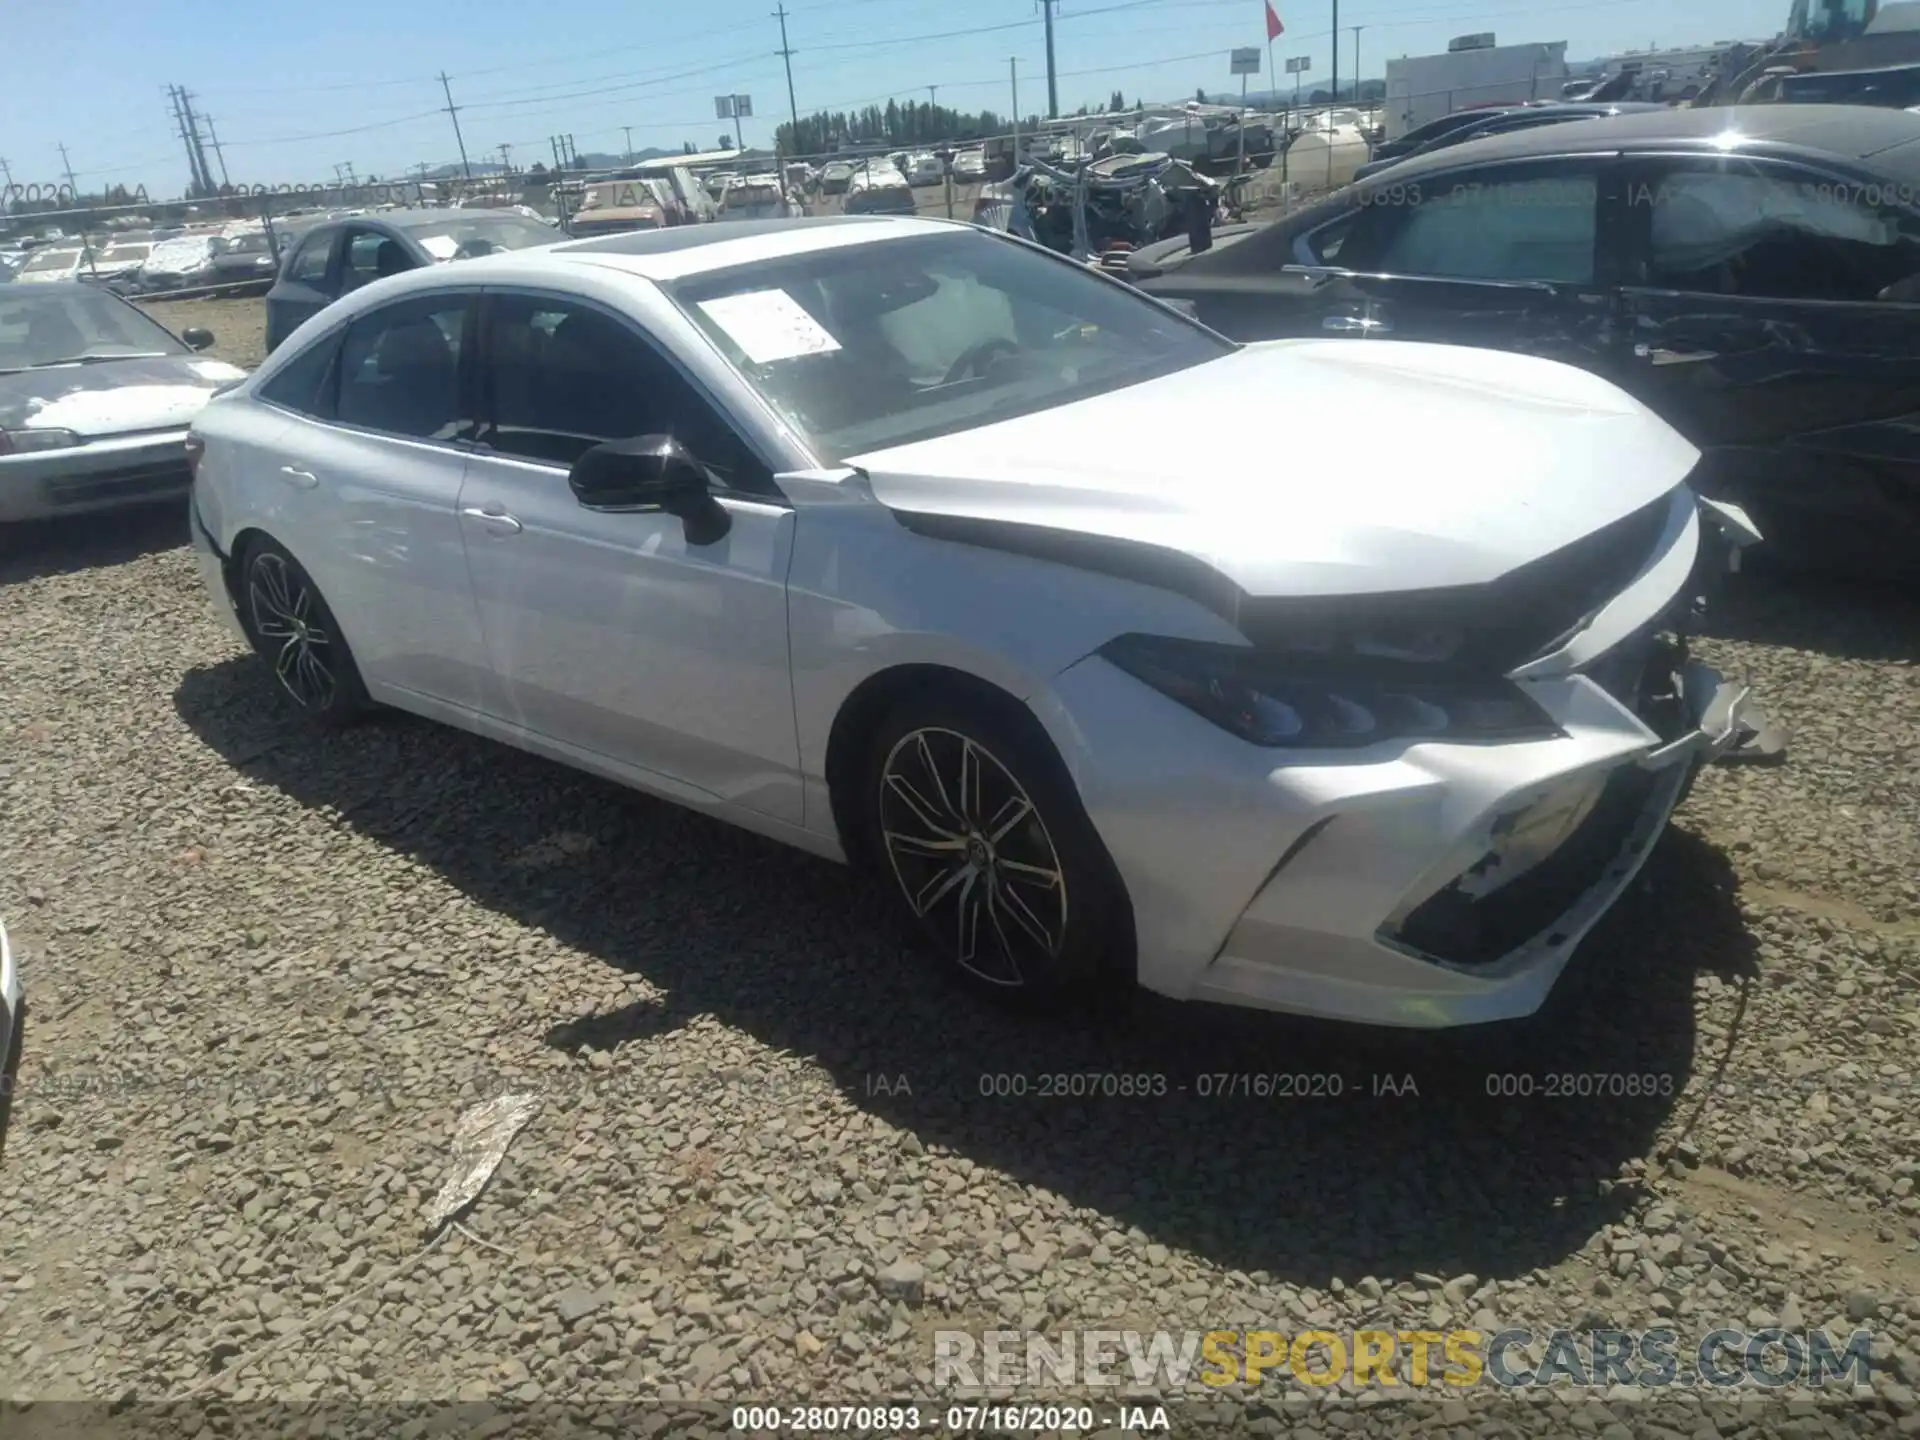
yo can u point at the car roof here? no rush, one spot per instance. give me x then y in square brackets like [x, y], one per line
[415, 219]
[1854, 132]
[678, 251]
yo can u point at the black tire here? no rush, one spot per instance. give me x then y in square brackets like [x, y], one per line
[965, 871]
[294, 632]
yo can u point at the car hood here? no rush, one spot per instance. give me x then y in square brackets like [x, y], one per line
[113, 397]
[1315, 467]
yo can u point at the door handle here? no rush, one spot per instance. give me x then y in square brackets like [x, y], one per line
[499, 519]
[303, 479]
[1659, 355]
[1356, 325]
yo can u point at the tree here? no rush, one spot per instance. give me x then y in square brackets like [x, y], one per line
[537, 172]
[1201, 96]
[726, 141]
[1118, 101]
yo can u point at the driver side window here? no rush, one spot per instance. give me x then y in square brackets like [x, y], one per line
[563, 377]
[310, 265]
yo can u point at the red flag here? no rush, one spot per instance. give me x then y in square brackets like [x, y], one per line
[1274, 28]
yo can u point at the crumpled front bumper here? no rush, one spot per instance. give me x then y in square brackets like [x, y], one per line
[1412, 885]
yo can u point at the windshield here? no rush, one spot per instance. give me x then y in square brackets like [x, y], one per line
[124, 254]
[43, 329]
[253, 244]
[866, 346]
[470, 235]
[50, 260]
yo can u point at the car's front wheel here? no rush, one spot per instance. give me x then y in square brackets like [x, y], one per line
[295, 633]
[986, 852]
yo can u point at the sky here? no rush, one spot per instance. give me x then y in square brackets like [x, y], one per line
[295, 90]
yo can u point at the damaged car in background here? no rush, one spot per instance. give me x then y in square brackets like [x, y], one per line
[95, 399]
[1110, 207]
[1091, 712]
[1751, 275]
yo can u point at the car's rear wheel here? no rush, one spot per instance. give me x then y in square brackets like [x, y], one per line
[985, 851]
[292, 629]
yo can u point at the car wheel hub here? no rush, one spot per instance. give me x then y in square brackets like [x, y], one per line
[283, 617]
[972, 856]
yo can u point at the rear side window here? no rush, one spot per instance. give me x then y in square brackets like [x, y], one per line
[1538, 226]
[305, 383]
[400, 370]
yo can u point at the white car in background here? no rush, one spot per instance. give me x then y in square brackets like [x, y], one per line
[52, 264]
[854, 532]
[970, 166]
[925, 169]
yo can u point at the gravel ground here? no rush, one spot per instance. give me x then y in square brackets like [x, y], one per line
[269, 969]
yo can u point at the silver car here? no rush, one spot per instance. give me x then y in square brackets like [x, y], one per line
[864, 534]
[13, 1028]
[95, 399]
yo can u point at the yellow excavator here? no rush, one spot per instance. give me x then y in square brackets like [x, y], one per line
[1832, 51]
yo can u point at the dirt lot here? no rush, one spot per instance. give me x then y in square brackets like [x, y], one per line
[270, 968]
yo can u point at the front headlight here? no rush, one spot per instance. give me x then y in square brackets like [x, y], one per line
[29, 442]
[1329, 702]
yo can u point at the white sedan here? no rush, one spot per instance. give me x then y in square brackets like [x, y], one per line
[918, 546]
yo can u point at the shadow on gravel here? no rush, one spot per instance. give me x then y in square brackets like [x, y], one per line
[35, 549]
[1444, 1177]
[1823, 616]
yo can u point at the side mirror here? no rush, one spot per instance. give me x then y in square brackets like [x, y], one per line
[197, 338]
[651, 472]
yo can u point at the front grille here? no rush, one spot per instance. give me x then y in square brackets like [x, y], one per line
[136, 482]
[1457, 928]
[1516, 618]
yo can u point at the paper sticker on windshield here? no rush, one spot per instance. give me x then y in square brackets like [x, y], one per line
[440, 247]
[769, 325]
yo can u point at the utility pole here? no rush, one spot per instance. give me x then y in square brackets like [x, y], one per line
[629, 133]
[1053, 89]
[199, 180]
[1013, 78]
[453, 113]
[74, 187]
[933, 93]
[553, 144]
[1356, 62]
[219, 154]
[573, 152]
[6, 195]
[506, 158]
[203, 173]
[786, 54]
[1336, 73]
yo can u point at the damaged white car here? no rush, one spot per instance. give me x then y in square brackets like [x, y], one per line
[917, 546]
[94, 402]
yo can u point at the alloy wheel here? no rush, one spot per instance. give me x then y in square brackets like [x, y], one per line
[287, 618]
[973, 856]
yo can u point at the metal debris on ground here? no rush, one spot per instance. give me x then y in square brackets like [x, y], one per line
[480, 1142]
